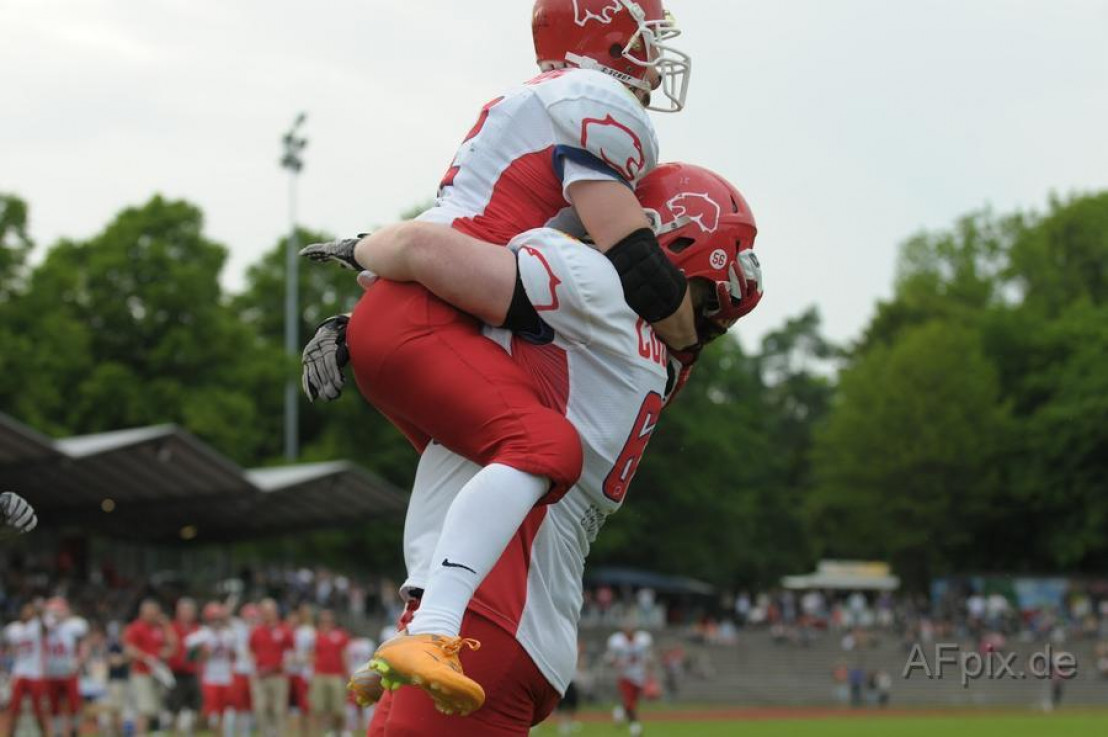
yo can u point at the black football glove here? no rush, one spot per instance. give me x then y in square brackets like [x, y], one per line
[339, 251]
[324, 358]
[17, 516]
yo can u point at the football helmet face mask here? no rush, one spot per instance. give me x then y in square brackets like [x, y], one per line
[625, 39]
[706, 228]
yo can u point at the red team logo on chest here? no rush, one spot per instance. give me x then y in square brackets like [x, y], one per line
[604, 137]
[547, 302]
[599, 10]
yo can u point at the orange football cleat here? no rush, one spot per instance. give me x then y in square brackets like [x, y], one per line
[430, 662]
[365, 685]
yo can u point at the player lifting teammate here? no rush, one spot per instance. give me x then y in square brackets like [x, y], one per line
[580, 340]
[561, 149]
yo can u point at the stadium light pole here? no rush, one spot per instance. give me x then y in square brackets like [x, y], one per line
[291, 160]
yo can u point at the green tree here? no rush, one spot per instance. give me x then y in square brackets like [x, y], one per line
[703, 499]
[130, 328]
[1021, 301]
[1062, 258]
[15, 241]
[348, 427]
[953, 275]
[905, 463]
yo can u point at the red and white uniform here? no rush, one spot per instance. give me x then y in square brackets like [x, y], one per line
[420, 361]
[358, 652]
[300, 666]
[25, 639]
[243, 667]
[631, 654]
[604, 366]
[513, 169]
[217, 671]
[62, 642]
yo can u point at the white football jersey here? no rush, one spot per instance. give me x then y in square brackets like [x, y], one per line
[512, 171]
[218, 644]
[358, 652]
[26, 643]
[303, 640]
[602, 364]
[630, 655]
[62, 641]
[244, 659]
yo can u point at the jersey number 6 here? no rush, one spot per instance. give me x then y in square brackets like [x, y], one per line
[619, 478]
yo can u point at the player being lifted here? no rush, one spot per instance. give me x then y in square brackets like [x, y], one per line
[564, 148]
[576, 337]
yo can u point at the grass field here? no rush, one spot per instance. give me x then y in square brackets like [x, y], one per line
[1008, 724]
[822, 723]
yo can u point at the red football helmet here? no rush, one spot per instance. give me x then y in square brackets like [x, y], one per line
[622, 38]
[706, 228]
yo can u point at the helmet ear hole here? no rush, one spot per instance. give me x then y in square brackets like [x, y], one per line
[680, 244]
[615, 51]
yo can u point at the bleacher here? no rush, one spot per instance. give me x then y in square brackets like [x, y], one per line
[757, 671]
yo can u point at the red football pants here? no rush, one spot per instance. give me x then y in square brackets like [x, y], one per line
[63, 691]
[629, 693]
[26, 687]
[427, 367]
[517, 694]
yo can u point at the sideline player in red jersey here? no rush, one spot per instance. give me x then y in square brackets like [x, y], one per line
[576, 337]
[184, 700]
[565, 148]
[270, 643]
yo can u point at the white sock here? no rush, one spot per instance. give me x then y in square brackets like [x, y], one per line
[482, 520]
[229, 723]
[186, 722]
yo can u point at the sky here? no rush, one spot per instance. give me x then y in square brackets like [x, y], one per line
[849, 125]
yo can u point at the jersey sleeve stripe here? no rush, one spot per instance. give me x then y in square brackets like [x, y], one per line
[584, 158]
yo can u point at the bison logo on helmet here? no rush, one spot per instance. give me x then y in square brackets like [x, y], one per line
[699, 208]
[598, 10]
[615, 144]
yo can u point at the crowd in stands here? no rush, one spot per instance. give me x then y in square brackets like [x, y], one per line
[274, 642]
[795, 617]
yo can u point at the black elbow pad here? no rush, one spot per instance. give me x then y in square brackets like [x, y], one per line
[522, 316]
[652, 285]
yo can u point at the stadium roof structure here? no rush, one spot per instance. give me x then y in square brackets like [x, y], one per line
[637, 578]
[846, 575]
[162, 484]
